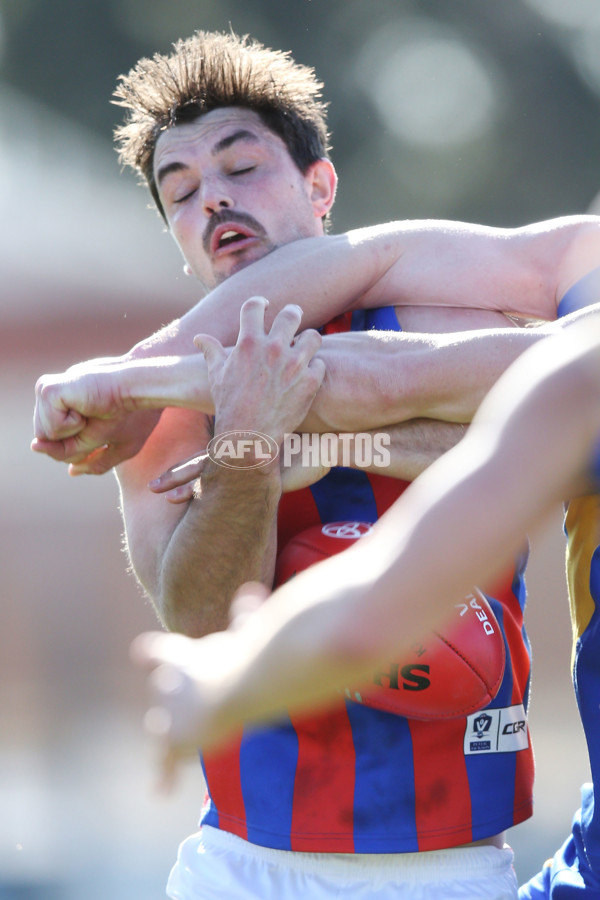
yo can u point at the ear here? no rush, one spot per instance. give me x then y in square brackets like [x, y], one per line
[322, 184]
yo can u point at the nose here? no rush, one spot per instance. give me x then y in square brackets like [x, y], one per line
[215, 196]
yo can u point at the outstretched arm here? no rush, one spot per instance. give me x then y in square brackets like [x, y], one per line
[531, 445]
[525, 270]
[372, 380]
[418, 262]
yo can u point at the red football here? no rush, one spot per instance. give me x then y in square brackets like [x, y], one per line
[455, 672]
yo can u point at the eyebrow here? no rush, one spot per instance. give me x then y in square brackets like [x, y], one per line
[241, 135]
[168, 169]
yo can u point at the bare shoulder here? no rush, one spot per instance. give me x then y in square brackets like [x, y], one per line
[566, 249]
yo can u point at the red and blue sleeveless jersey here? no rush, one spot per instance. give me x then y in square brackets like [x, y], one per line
[359, 780]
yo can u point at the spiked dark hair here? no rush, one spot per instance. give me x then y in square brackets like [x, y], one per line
[210, 70]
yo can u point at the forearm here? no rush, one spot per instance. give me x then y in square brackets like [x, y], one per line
[325, 276]
[401, 451]
[179, 381]
[425, 262]
[377, 379]
[226, 537]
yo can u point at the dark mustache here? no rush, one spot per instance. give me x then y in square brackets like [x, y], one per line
[225, 216]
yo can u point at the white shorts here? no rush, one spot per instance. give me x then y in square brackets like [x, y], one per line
[216, 865]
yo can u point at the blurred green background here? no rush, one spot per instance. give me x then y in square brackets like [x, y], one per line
[479, 110]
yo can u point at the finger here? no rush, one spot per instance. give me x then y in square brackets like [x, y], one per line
[62, 450]
[286, 323]
[308, 343]
[158, 725]
[153, 648]
[168, 770]
[179, 475]
[213, 350]
[75, 448]
[252, 317]
[53, 449]
[246, 601]
[317, 367]
[64, 424]
[167, 681]
[182, 494]
[98, 462]
[85, 460]
[174, 691]
[52, 417]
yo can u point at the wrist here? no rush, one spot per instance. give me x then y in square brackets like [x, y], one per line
[245, 453]
[166, 381]
[140, 385]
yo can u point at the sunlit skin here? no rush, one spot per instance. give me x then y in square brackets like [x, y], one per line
[232, 193]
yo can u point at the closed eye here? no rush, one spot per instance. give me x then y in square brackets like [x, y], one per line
[243, 171]
[185, 196]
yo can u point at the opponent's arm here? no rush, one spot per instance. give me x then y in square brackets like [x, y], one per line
[402, 451]
[340, 619]
[525, 270]
[419, 262]
[372, 381]
[373, 378]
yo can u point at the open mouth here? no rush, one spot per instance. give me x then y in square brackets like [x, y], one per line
[227, 236]
[230, 237]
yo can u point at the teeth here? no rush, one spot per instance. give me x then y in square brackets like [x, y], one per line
[229, 234]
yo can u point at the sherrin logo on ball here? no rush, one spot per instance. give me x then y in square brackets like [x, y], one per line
[454, 672]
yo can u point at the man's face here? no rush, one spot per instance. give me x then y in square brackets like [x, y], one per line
[231, 192]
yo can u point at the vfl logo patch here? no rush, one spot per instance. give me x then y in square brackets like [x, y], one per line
[482, 724]
[496, 731]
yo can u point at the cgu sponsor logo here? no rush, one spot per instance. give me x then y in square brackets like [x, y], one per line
[514, 727]
[502, 730]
